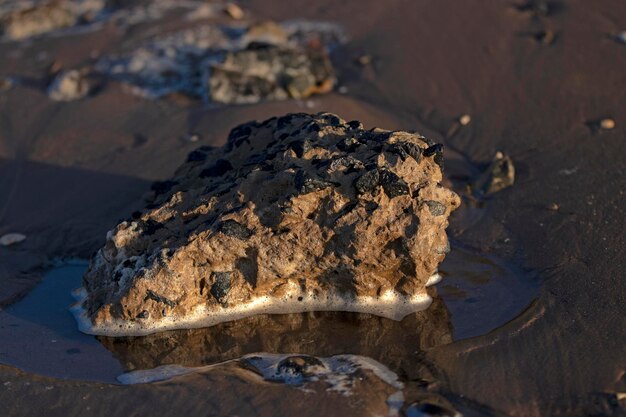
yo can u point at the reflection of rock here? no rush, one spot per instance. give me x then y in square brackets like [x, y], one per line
[270, 73]
[298, 213]
[499, 175]
[48, 16]
[319, 334]
[70, 85]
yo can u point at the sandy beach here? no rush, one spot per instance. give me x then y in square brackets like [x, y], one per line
[537, 82]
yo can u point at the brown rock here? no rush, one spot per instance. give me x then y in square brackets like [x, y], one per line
[298, 213]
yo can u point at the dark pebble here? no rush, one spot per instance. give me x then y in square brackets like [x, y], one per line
[344, 161]
[436, 151]
[150, 295]
[220, 168]
[355, 124]
[436, 208]
[367, 182]
[235, 229]
[221, 285]
[297, 366]
[240, 134]
[393, 185]
[301, 147]
[348, 144]
[143, 315]
[305, 184]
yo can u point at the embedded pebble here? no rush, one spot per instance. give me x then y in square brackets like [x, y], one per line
[465, 119]
[70, 85]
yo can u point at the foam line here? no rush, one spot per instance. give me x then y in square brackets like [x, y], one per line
[391, 304]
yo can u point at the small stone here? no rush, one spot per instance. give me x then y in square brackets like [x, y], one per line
[621, 37]
[393, 185]
[234, 11]
[553, 207]
[465, 119]
[435, 207]
[364, 60]
[69, 86]
[436, 151]
[298, 366]
[235, 229]
[499, 175]
[607, 124]
[193, 137]
[301, 147]
[151, 295]
[367, 182]
[546, 37]
[305, 184]
[221, 285]
[343, 89]
[11, 239]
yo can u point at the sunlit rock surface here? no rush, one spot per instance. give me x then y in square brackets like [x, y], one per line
[297, 213]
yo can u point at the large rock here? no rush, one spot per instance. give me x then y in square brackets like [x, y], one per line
[298, 213]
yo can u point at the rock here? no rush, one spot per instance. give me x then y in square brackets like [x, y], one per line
[36, 20]
[48, 16]
[621, 37]
[234, 11]
[255, 227]
[499, 175]
[607, 124]
[465, 119]
[269, 72]
[70, 85]
[11, 239]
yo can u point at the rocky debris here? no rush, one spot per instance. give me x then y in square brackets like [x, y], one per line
[500, 174]
[231, 64]
[270, 73]
[48, 16]
[70, 85]
[294, 233]
[11, 239]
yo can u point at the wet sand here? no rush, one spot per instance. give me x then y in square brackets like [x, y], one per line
[69, 171]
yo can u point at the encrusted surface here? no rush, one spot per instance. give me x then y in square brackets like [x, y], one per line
[302, 212]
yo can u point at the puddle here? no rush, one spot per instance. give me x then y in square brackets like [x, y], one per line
[478, 294]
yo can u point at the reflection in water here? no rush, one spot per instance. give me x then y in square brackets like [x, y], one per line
[478, 294]
[394, 343]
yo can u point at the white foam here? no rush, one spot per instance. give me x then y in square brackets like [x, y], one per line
[391, 305]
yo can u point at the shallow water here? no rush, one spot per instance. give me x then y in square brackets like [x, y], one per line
[478, 294]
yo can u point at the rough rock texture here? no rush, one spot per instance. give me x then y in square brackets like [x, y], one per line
[47, 16]
[270, 73]
[302, 212]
